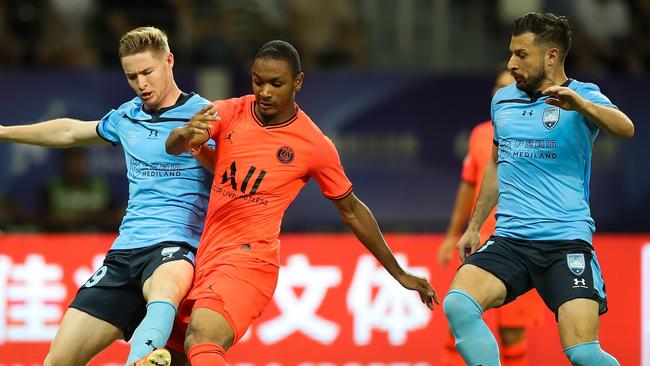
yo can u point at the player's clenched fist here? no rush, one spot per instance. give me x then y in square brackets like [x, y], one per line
[468, 243]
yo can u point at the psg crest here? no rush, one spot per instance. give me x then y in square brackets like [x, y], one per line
[285, 155]
[576, 263]
[550, 117]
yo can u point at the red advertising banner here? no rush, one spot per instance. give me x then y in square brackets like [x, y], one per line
[334, 304]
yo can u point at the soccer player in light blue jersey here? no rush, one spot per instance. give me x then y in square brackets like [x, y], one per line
[149, 268]
[544, 128]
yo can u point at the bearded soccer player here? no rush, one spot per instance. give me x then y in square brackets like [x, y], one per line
[267, 150]
[149, 267]
[513, 319]
[544, 127]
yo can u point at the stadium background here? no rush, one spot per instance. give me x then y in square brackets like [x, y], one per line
[398, 85]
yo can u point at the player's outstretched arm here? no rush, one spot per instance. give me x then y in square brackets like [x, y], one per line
[60, 132]
[358, 217]
[487, 199]
[194, 133]
[606, 118]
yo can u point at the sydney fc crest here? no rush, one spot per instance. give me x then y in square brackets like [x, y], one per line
[285, 154]
[550, 117]
[576, 263]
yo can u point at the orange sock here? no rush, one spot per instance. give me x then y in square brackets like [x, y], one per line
[515, 354]
[450, 356]
[207, 354]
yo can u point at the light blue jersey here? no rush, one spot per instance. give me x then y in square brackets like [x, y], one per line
[168, 195]
[544, 165]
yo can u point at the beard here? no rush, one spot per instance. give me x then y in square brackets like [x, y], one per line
[533, 82]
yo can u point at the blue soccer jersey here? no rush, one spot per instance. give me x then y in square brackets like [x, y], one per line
[168, 195]
[544, 165]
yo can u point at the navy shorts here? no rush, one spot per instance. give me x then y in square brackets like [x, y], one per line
[560, 270]
[114, 292]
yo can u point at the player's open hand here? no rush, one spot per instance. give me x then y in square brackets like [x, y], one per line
[201, 120]
[197, 130]
[468, 243]
[421, 285]
[563, 97]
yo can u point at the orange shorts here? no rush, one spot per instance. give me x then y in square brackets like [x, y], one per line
[527, 310]
[236, 284]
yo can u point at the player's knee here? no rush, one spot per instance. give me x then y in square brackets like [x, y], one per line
[197, 335]
[589, 354]
[460, 307]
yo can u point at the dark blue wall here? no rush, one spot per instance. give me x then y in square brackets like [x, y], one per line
[400, 137]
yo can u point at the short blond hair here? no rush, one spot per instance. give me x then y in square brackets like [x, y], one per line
[143, 39]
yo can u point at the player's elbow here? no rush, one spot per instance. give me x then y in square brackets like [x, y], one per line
[624, 126]
[629, 130]
[173, 145]
[625, 131]
[171, 149]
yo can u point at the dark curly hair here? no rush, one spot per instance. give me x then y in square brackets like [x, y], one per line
[548, 29]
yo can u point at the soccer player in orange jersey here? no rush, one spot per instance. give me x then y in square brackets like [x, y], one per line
[267, 148]
[512, 319]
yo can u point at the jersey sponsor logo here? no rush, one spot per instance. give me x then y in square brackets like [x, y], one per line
[230, 177]
[527, 149]
[285, 154]
[576, 263]
[550, 117]
[153, 134]
[142, 169]
[247, 187]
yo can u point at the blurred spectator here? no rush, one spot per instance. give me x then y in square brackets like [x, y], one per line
[23, 31]
[72, 45]
[229, 33]
[639, 60]
[46, 32]
[509, 10]
[602, 36]
[13, 217]
[611, 35]
[76, 201]
[328, 33]
[117, 17]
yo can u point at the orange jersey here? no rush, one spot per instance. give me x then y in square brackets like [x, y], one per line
[258, 173]
[478, 156]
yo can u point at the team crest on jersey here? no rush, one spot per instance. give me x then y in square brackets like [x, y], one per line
[576, 263]
[550, 117]
[285, 155]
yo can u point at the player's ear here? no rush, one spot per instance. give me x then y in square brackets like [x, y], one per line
[552, 56]
[169, 59]
[298, 81]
